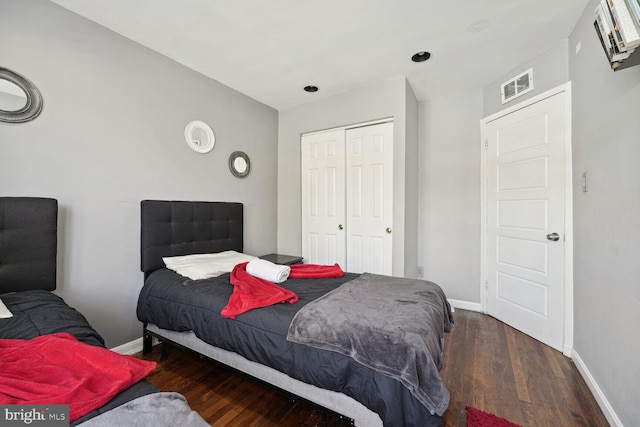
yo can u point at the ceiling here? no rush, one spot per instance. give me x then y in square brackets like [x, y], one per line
[270, 50]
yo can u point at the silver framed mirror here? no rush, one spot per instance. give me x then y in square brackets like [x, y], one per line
[239, 164]
[20, 100]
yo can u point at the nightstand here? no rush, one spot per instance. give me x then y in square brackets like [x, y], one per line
[283, 259]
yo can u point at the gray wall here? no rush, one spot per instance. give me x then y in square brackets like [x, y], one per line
[411, 168]
[388, 99]
[449, 205]
[550, 69]
[111, 134]
[606, 145]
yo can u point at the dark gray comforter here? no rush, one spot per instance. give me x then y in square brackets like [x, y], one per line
[392, 325]
[176, 303]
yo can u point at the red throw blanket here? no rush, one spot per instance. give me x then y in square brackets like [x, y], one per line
[59, 369]
[314, 271]
[251, 292]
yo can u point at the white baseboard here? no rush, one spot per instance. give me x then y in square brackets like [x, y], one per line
[130, 347]
[466, 305]
[604, 404]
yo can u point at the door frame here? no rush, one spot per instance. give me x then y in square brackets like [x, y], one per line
[568, 208]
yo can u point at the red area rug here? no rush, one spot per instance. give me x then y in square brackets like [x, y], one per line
[478, 418]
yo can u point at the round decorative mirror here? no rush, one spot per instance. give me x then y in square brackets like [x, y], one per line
[199, 136]
[20, 100]
[239, 164]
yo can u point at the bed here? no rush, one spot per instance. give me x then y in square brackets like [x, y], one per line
[35, 320]
[259, 342]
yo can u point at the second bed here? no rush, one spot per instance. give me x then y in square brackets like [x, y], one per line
[384, 382]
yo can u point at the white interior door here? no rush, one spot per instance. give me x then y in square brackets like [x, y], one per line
[526, 218]
[369, 198]
[323, 198]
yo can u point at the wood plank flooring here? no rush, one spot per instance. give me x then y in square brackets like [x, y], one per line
[226, 398]
[487, 365]
[497, 369]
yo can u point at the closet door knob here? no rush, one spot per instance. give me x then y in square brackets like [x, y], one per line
[340, 227]
[388, 230]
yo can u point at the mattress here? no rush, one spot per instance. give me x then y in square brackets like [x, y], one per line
[173, 302]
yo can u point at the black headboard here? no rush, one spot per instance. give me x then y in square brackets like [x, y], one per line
[28, 243]
[173, 228]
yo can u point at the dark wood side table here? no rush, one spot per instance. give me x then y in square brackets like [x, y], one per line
[283, 259]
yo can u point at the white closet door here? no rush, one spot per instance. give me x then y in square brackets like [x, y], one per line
[323, 198]
[369, 198]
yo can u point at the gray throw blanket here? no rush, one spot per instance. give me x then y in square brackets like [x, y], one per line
[393, 325]
[156, 409]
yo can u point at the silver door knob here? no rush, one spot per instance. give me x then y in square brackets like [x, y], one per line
[554, 237]
[388, 230]
[340, 227]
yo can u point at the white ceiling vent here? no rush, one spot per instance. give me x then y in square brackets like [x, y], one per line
[517, 86]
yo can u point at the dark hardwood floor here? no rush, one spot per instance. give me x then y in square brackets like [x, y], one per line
[497, 369]
[224, 397]
[487, 365]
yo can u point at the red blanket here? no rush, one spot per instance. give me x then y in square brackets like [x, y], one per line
[59, 369]
[251, 292]
[314, 271]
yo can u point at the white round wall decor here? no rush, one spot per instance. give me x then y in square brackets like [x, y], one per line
[199, 136]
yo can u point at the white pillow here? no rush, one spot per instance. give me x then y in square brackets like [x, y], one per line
[4, 311]
[204, 266]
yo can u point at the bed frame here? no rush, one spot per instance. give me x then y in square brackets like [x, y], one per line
[174, 228]
[28, 243]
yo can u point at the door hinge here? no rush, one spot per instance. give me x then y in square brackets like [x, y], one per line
[486, 144]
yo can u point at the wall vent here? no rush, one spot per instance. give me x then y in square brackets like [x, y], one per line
[517, 86]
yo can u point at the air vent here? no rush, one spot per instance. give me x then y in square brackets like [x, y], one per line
[517, 86]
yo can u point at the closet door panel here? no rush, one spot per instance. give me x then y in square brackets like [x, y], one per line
[369, 151]
[323, 198]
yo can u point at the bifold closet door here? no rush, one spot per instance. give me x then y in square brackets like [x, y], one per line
[369, 194]
[323, 198]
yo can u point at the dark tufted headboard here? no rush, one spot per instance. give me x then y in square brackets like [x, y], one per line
[173, 228]
[28, 243]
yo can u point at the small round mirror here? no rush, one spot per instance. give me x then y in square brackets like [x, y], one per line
[239, 164]
[199, 136]
[20, 100]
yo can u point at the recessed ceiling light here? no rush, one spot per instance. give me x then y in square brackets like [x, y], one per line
[311, 88]
[421, 56]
